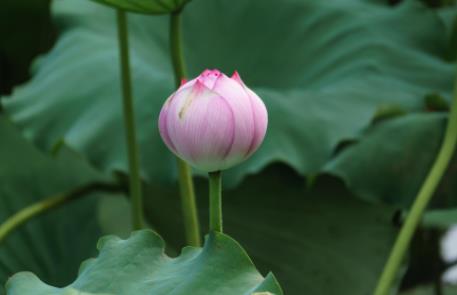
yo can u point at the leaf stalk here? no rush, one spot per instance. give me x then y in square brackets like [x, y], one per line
[420, 204]
[136, 198]
[186, 184]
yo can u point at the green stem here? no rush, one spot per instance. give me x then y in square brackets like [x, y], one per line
[129, 122]
[40, 207]
[425, 194]
[189, 208]
[177, 56]
[188, 204]
[215, 201]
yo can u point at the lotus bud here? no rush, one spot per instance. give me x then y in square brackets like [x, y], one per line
[213, 122]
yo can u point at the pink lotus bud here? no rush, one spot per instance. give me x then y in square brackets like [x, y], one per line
[213, 122]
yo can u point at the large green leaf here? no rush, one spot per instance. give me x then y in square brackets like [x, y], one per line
[319, 241]
[54, 244]
[393, 159]
[322, 67]
[138, 266]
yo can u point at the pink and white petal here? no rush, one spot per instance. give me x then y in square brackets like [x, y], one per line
[216, 136]
[260, 120]
[236, 76]
[163, 126]
[209, 77]
[239, 102]
[203, 133]
[172, 115]
[186, 84]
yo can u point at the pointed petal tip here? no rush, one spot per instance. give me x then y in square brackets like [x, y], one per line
[236, 76]
[209, 72]
[205, 72]
[183, 81]
[199, 85]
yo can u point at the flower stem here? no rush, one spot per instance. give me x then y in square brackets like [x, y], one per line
[186, 184]
[188, 204]
[129, 122]
[42, 206]
[425, 194]
[215, 201]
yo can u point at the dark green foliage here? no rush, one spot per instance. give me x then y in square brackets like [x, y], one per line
[25, 31]
[357, 89]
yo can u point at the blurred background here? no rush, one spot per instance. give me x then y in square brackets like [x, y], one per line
[357, 91]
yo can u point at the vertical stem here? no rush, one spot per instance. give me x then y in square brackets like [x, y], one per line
[215, 201]
[188, 203]
[177, 56]
[129, 122]
[425, 194]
